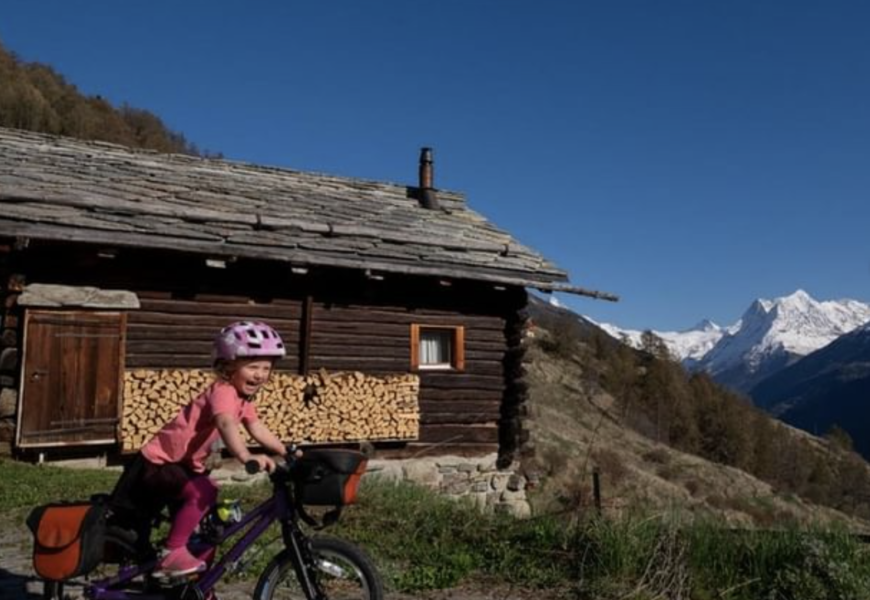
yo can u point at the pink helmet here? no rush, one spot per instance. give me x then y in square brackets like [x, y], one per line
[248, 339]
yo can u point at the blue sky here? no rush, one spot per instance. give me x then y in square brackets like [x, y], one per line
[688, 156]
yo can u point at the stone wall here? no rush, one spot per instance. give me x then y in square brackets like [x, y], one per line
[477, 479]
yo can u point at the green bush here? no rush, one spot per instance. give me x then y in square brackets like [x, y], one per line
[778, 565]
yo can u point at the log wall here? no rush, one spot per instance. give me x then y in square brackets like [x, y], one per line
[331, 319]
[456, 408]
[168, 332]
[10, 342]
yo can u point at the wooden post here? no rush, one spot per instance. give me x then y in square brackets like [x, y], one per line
[305, 335]
[596, 489]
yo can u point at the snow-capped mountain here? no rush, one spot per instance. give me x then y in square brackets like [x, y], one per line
[773, 334]
[688, 346]
[770, 335]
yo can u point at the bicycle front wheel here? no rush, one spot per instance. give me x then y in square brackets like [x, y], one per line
[344, 572]
[52, 590]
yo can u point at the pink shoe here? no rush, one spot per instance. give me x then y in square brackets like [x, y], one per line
[207, 556]
[179, 562]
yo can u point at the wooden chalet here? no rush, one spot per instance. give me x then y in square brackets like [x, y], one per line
[118, 266]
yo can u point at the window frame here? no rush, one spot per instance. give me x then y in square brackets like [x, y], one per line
[457, 355]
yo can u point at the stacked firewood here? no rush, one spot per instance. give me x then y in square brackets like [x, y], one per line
[317, 408]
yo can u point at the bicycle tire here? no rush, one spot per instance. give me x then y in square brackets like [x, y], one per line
[345, 573]
[52, 590]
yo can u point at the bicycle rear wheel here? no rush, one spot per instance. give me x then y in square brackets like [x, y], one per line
[343, 570]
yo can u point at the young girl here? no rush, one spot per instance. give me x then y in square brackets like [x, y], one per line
[173, 460]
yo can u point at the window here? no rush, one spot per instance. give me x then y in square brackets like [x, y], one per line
[436, 347]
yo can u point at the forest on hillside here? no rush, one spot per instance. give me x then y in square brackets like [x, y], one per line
[693, 414]
[35, 97]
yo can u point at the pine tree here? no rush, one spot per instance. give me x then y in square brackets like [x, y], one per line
[840, 438]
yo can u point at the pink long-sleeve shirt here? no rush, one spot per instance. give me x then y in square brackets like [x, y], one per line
[188, 438]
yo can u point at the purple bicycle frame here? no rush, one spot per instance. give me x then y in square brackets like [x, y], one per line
[260, 518]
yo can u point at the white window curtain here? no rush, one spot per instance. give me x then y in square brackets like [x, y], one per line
[435, 347]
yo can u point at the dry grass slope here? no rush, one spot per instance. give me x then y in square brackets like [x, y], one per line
[575, 426]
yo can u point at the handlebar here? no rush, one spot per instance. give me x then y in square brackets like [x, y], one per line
[252, 467]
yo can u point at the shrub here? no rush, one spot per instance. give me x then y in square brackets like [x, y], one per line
[788, 564]
[658, 456]
[693, 486]
[669, 472]
[611, 465]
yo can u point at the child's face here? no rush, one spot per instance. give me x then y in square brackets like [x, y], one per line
[249, 375]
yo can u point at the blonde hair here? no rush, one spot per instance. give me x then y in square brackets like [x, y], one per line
[224, 369]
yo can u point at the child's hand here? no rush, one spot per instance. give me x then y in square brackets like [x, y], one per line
[265, 462]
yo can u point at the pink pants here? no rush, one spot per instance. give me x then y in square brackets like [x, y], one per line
[190, 494]
[198, 495]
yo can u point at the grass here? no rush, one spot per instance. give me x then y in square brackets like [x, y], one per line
[422, 541]
[434, 542]
[24, 485]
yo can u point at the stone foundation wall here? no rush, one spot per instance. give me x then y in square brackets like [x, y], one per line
[478, 479]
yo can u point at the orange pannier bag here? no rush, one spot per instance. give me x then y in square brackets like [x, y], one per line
[68, 539]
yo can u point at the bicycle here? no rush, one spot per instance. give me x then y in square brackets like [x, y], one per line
[311, 567]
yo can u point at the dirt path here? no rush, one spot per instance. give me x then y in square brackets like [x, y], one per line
[16, 575]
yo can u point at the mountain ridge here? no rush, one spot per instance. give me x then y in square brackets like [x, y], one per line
[769, 336]
[824, 389]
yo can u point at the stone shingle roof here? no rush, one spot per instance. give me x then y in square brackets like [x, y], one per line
[65, 189]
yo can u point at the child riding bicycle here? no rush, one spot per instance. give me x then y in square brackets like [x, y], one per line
[170, 468]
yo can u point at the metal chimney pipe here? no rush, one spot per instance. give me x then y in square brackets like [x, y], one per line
[428, 196]
[426, 171]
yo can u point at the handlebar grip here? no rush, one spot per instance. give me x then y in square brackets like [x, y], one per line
[293, 454]
[252, 467]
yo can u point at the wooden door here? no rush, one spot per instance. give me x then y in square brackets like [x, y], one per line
[71, 378]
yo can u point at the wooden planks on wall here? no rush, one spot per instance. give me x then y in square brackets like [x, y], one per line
[178, 333]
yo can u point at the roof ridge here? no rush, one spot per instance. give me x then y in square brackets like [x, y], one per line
[241, 164]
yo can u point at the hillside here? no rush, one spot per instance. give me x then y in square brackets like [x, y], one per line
[826, 388]
[33, 96]
[577, 424]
